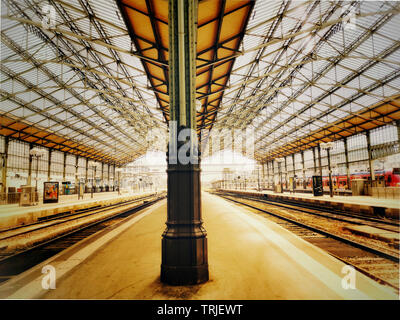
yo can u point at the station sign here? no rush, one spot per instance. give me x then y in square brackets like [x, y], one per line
[317, 186]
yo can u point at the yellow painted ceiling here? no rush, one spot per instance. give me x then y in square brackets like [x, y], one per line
[221, 25]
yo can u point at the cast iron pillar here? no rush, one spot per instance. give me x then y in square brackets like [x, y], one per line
[319, 160]
[64, 166]
[76, 175]
[346, 156]
[370, 160]
[184, 241]
[29, 181]
[314, 161]
[49, 165]
[286, 174]
[4, 165]
[263, 176]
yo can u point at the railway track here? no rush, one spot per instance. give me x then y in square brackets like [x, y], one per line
[326, 212]
[378, 262]
[15, 263]
[48, 222]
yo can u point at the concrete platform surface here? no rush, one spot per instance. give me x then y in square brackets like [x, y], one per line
[374, 233]
[249, 258]
[13, 215]
[358, 204]
[361, 200]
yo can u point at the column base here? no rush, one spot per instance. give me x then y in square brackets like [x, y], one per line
[180, 276]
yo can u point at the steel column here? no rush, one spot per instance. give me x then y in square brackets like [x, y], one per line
[370, 161]
[263, 175]
[304, 169]
[108, 177]
[293, 165]
[398, 130]
[184, 241]
[330, 173]
[346, 155]
[4, 164]
[114, 186]
[76, 175]
[294, 172]
[86, 172]
[319, 160]
[102, 175]
[49, 165]
[64, 165]
[314, 161]
[286, 174]
[273, 175]
[29, 182]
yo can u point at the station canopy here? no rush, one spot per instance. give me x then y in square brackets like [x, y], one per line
[90, 77]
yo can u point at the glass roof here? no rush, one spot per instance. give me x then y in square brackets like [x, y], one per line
[309, 64]
[78, 82]
[306, 71]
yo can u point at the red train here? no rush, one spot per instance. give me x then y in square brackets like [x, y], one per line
[391, 178]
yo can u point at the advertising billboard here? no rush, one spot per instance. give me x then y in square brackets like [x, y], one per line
[50, 192]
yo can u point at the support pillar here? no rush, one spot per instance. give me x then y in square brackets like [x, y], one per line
[370, 161]
[114, 185]
[29, 182]
[286, 174]
[64, 165]
[49, 166]
[76, 175]
[293, 165]
[94, 184]
[184, 241]
[303, 169]
[346, 155]
[280, 175]
[319, 160]
[329, 173]
[273, 175]
[294, 173]
[102, 175]
[86, 172]
[263, 175]
[314, 161]
[108, 177]
[398, 130]
[4, 168]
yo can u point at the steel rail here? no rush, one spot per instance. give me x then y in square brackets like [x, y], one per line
[22, 261]
[61, 217]
[379, 253]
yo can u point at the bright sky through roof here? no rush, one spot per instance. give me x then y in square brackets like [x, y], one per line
[211, 167]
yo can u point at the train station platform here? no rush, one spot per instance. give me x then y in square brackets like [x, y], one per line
[12, 215]
[368, 205]
[249, 258]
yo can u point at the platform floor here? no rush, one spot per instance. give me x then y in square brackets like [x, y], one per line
[249, 258]
[13, 215]
[358, 200]
[10, 209]
[361, 200]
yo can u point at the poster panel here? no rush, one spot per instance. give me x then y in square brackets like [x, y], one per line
[50, 192]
